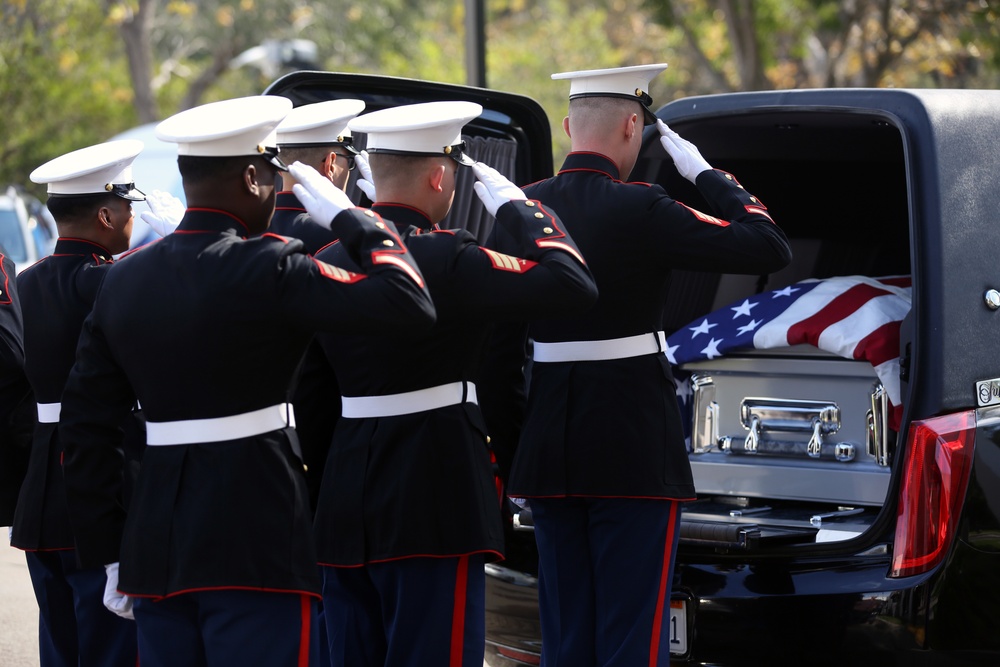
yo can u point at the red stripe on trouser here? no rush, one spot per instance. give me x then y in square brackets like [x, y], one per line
[458, 615]
[306, 628]
[668, 547]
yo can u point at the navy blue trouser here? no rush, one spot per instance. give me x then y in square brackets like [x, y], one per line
[605, 567]
[411, 612]
[228, 627]
[74, 627]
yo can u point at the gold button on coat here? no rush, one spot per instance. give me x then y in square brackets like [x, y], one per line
[388, 242]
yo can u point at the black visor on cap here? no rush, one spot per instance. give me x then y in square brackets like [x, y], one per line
[455, 152]
[126, 191]
[458, 154]
[271, 153]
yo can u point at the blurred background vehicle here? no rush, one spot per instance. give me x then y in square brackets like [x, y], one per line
[27, 230]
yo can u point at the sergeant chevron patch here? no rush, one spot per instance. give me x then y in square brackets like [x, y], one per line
[507, 263]
[337, 273]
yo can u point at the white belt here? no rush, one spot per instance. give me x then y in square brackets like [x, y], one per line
[48, 413]
[246, 425]
[421, 400]
[601, 350]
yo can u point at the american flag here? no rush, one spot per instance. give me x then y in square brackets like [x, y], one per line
[855, 317]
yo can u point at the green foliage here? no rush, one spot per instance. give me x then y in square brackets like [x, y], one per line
[55, 95]
[64, 65]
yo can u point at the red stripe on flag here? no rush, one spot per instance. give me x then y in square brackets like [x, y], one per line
[897, 281]
[880, 345]
[810, 329]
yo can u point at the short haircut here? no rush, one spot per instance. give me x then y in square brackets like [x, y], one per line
[590, 111]
[310, 155]
[78, 208]
[201, 168]
[390, 168]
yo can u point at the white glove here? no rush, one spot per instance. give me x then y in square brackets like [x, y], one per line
[165, 212]
[321, 198]
[493, 188]
[686, 157]
[116, 602]
[365, 181]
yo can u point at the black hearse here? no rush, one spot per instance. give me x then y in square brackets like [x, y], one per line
[825, 530]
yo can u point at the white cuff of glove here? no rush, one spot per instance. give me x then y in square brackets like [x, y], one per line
[494, 189]
[323, 200]
[688, 160]
[165, 212]
[116, 602]
[366, 183]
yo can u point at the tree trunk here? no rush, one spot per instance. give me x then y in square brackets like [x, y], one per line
[136, 32]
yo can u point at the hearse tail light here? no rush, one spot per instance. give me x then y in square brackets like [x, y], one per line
[935, 476]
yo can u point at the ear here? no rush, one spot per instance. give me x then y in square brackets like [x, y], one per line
[250, 179]
[630, 125]
[104, 217]
[436, 177]
[328, 162]
[566, 127]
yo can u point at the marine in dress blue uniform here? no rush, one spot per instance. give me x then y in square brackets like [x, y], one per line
[409, 510]
[205, 328]
[601, 455]
[17, 409]
[316, 135]
[90, 195]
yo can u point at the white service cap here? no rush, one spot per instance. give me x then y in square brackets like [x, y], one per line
[319, 124]
[95, 169]
[627, 82]
[431, 128]
[240, 126]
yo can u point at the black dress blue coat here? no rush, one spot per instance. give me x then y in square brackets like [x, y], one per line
[206, 323]
[612, 428]
[424, 484]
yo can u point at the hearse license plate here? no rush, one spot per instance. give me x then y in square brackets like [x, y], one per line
[678, 627]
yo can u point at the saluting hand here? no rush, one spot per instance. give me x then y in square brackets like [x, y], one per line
[320, 197]
[365, 183]
[686, 157]
[165, 212]
[494, 188]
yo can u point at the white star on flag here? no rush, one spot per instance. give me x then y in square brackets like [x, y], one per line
[750, 326]
[702, 328]
[711, 351]
[670, 353]
[784, 292]
[743, 309]
[684, 391]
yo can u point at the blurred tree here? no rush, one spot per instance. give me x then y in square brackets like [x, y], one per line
[750, 45]
[74, 72]
[63, 83]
